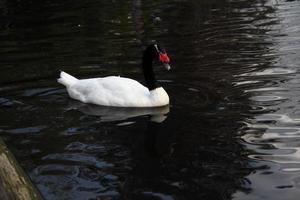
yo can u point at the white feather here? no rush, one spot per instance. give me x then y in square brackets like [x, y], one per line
[113, 91]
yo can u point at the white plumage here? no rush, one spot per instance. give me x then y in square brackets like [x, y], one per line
[113, 91]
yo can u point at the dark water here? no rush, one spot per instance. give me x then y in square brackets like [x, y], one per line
[232, 130]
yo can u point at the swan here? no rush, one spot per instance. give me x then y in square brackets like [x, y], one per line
[119, 91]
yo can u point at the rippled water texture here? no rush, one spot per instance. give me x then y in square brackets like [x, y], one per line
[232, 130]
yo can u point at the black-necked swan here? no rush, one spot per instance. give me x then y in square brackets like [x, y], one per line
[122, 92]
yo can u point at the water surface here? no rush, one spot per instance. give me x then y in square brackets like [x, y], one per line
[232, 130]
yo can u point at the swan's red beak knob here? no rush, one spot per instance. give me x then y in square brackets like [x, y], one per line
[164, 58]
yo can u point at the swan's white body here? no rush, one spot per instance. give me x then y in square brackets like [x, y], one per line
[113, 91]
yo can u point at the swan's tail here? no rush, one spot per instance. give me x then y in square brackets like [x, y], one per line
[66, 79]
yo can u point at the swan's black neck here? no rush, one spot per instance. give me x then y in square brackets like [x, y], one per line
[149, 55]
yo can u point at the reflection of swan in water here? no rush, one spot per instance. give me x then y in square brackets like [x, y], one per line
[151, 149]
[109, 114]
[148, 146]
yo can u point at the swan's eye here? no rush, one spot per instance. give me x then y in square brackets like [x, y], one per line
[164, 58]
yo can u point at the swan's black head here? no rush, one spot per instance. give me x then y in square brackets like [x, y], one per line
[154, 52]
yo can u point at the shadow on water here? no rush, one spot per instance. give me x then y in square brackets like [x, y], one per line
[110, 114]
[231, 131]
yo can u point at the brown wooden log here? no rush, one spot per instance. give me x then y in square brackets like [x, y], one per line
[14, 183]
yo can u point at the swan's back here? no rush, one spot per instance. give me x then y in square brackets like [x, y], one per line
[110, 91]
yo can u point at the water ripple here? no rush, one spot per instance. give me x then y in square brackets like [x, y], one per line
[233, 130]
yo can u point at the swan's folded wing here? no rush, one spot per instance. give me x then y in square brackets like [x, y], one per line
[111, 91]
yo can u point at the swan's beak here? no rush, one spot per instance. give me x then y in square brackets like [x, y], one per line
[167, 66]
